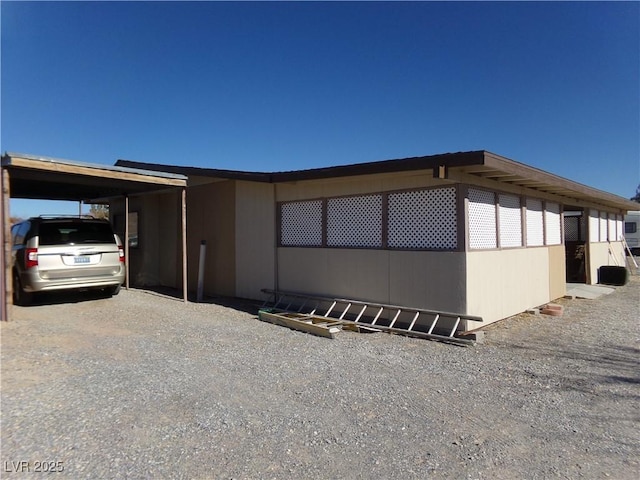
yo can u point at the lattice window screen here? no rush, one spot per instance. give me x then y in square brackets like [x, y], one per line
[354, 221]
[535, 223]
[603, 226]
[482, 219]
[510, 221]
[552, 223]
[301, 223]
[571, 228]
[619, 227]
[594, 226]
[612, 227]
[423, 219]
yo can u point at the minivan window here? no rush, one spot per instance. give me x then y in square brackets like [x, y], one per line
[70, 233]
[21, 230]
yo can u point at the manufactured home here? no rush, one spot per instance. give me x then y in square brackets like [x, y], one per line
[468, 232]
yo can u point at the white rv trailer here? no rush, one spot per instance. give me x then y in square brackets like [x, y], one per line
[632, 231]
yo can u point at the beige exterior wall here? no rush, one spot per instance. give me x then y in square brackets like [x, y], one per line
[211, 217]
[604, 254]
[557, 272]
[432, 280]
[255, 239]
[169, 216]
[501, 283]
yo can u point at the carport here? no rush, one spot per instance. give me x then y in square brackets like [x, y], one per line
[44, 178]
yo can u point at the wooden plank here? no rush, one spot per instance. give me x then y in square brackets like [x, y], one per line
[303, 323]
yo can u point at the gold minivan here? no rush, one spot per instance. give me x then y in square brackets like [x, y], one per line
[65, 253]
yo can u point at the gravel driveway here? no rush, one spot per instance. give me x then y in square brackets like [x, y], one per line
[144, 386]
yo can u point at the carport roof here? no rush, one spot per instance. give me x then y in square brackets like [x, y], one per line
[58, 179]
[480, 164]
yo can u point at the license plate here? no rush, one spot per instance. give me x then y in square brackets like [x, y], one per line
[81, 259]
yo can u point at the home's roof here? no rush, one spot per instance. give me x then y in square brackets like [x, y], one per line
[480, 164]
[49, 178]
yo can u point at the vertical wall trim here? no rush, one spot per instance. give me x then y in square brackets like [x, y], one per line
[385, 220]
[561, 215]
[544, 223]
[496, 202]
[325, 224]
[278, 239]
[523, 220]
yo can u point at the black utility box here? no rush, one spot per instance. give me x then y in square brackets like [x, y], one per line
[610, 275]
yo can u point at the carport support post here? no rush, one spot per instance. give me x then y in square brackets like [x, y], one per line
[126, 241]
[184, 243]
[5, 254]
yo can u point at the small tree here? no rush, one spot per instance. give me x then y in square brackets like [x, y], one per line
[636, 197]
[99, 211]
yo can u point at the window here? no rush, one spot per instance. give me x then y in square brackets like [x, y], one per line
[510, 221]
[482, 219]
[354, 221]
[19, 231]
[535, 223]
[552, 223]
[301, 224]
[119, 227]
[75, 233]
[417, 219]
[594, 226]
[423, 219]
[630, 227]
[603, 226]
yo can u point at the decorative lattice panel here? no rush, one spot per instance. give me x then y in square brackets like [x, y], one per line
[510, 221]
[619, 227]
[301, 223]
[574, 226]
[482, 219]
[354, 221]
[535, 223]
[612, 227]
[603, 226]
[571, 228]
[552, 223]
[594, 226]
[423, 219]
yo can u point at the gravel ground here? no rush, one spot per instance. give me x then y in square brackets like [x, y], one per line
[143, 386]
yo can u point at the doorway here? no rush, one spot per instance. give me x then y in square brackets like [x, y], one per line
[575, 233]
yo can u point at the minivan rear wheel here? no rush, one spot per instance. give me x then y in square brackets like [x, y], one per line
[20, 297]
[114, 290]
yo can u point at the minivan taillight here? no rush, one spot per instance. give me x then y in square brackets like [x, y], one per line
[31, 257]
[121, 252]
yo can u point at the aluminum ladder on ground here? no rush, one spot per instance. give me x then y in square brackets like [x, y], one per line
[370, 316]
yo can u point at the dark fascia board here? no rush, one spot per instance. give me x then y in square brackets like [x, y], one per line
[385, 166]
[459, 159]
[197, 171]
[450, 160]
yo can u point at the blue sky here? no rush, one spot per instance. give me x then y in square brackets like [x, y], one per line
[287, 86]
